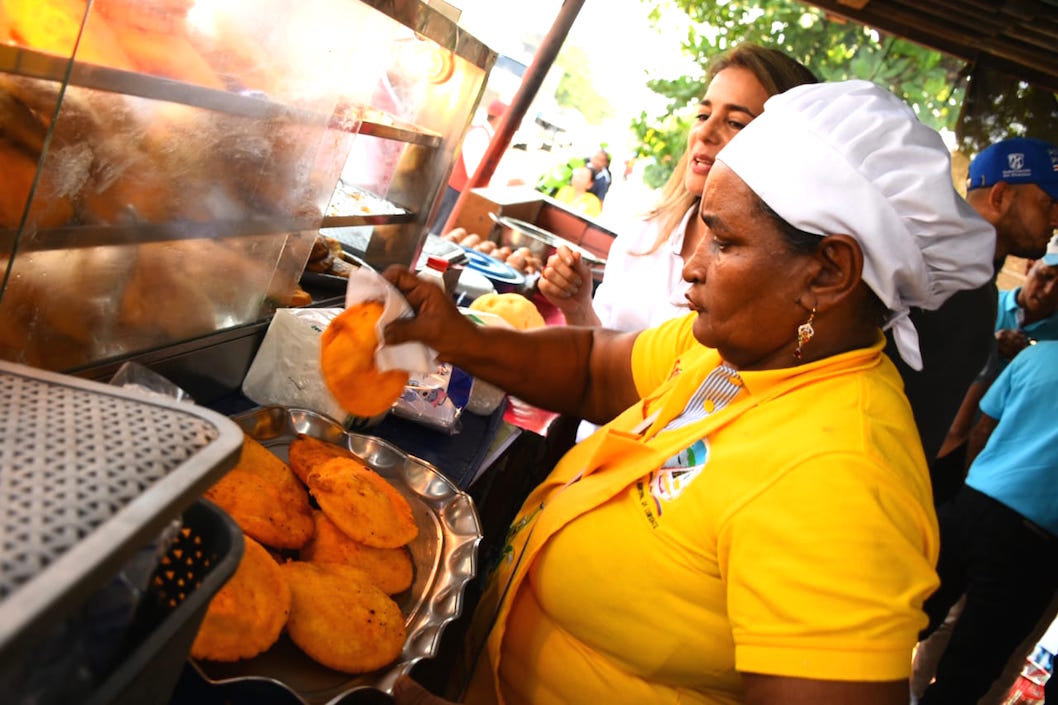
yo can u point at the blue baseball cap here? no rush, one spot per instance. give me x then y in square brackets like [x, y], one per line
[1018, 160]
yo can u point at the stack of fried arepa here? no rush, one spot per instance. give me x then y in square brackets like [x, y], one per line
[333, 599]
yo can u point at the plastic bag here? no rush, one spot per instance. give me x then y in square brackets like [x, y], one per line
[436, 399]
[286, 369]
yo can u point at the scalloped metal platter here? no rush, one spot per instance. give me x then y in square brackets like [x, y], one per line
[444, 556]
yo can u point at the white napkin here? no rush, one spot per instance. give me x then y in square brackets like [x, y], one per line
[367, 285]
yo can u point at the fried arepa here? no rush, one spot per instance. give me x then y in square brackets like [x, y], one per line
[362, 504]
[340, 619]
[389, 568]
[307, 452]
[347, 362]
[265, 499]
[248, 613]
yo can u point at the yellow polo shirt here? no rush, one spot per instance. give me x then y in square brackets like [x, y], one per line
[788, 529]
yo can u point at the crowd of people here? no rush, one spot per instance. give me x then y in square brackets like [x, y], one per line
[824, 437]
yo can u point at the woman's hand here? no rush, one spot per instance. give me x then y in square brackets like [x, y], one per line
[437, 322]
[566, 283]
[407, 692]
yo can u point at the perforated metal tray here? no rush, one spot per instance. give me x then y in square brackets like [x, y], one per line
[89, 474]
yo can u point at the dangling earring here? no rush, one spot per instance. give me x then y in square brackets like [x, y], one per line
[805, 331]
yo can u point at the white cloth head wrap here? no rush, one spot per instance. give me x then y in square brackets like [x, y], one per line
[851, 158]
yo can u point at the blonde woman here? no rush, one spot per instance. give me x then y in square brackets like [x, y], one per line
[642, 285]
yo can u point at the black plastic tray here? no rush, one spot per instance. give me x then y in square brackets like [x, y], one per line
[202, 559]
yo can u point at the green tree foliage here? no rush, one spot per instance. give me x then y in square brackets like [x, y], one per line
[833, 49]
[576, 90]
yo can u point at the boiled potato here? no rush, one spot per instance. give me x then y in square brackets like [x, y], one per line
[455, 235]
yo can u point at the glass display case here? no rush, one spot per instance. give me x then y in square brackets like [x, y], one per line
[169, 163]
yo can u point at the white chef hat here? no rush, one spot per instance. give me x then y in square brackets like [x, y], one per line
[850, 157]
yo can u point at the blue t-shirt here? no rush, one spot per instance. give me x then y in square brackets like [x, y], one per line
[1019, 466]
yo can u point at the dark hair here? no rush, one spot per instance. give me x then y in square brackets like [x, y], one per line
[802, 242]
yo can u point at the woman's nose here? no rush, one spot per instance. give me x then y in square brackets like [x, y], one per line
[695, 266]
[707, 131]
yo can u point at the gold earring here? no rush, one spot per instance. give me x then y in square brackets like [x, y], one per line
[805, 331]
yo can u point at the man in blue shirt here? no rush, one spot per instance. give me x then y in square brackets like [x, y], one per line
[999, 534]
[1027, 314]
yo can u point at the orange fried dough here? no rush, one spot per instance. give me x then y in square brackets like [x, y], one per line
[307, 452]
[265, 499]
[347, 362]
[246, 616]
[389, 568]
[362, 504]
[340, 619]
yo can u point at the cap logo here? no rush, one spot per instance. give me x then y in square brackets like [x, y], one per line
[1017, 168]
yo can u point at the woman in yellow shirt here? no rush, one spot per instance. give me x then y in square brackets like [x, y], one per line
[577, 196]
[755, 524]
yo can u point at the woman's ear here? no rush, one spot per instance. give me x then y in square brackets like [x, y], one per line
[840, 269]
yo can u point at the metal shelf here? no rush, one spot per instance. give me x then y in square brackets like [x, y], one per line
[378, 126]
[344, 221]
[35, 64]
[74, 236]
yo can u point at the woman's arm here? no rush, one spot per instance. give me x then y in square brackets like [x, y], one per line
[781, 690]
[585, 372]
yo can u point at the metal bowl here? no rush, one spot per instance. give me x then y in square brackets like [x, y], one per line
[517, 233]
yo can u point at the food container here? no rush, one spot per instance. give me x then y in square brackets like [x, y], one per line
[91, 475]
[444, 556]
[504, 277]
[517, 233]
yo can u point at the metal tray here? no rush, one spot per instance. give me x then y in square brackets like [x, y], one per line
[444, 556]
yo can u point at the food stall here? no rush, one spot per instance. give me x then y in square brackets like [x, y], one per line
[171, 166]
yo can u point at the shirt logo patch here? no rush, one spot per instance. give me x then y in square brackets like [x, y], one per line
[679, 471]
[672, 479]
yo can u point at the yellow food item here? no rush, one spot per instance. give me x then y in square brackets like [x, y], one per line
[306, 452]
[389, 568]
[362, 504]
[300, 297]
[246, 616]
[340, 619]
[517, 310]
[54, 27]
[347, 361]
[265, 499]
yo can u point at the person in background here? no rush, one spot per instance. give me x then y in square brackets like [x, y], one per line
[577, 194]
[1027, 313]
[999, 534]
[756, 525]
[1013, 184]
[602, 178]
[471, 152]
[642, 284]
